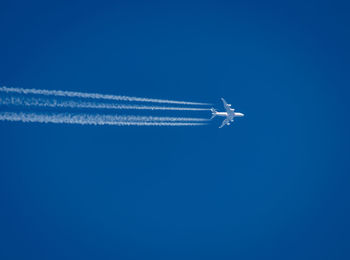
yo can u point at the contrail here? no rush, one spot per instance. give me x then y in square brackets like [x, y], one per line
[89, 119]
[60, 93]
[152, 118]
[40, 102]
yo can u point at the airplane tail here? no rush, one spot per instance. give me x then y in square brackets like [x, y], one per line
[213, 113]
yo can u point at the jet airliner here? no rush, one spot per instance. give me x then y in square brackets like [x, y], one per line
[230, 114]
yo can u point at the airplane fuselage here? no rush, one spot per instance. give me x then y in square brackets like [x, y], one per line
[225, 114]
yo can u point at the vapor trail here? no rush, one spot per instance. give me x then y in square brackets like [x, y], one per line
[60, 93]
[88, 119]
[40, 102]
[153, 118]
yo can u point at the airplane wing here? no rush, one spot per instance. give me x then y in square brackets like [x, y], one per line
[225, 122]
[228, 109]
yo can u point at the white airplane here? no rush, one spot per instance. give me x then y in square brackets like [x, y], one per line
[230, 114]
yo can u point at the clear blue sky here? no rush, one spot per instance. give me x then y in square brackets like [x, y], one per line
[275, 185]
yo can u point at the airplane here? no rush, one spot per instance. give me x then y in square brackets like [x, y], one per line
[230, 114]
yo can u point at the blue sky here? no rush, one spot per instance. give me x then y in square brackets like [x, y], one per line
[274, 185]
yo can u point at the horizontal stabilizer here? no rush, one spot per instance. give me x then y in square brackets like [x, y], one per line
[213, 113]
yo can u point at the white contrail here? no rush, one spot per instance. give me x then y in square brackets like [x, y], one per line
[74, 104]
[40, 102]
[88, 119]
[152, 118]
[60, 93]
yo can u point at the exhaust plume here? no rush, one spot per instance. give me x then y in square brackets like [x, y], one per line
[57, 103]
[60, 93]
[96, 119]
